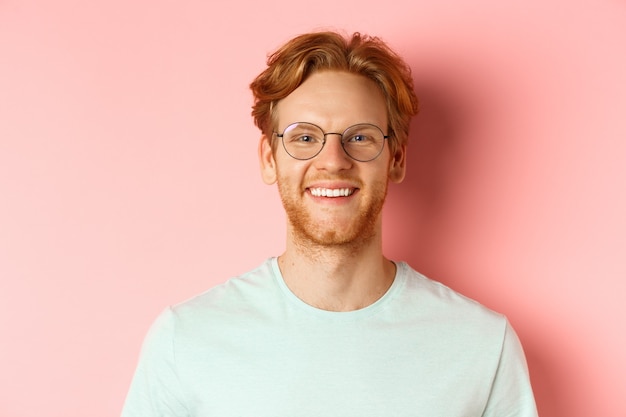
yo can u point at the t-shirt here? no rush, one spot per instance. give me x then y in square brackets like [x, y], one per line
[251, 348]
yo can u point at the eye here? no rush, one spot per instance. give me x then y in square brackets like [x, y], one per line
[359, 138]
[304, 139]
[303, 134]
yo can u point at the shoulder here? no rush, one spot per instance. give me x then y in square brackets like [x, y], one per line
[433, 300]
[248, 287]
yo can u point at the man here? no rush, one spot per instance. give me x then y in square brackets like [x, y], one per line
[331, 327]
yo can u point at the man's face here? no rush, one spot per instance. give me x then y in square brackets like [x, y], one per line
[332, 199]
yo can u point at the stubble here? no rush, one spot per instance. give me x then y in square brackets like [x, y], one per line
[310, 234]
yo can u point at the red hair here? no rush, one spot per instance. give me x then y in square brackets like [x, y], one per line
[290, 66]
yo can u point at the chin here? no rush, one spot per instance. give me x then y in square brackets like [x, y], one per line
[315, 229]
[311, 234]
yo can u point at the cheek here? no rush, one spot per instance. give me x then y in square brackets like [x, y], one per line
[288, 177]
[289, 168]
[383, 172]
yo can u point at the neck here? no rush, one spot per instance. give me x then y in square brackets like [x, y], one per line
[337, 277]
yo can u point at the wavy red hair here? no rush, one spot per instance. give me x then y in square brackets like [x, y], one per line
[290, 66]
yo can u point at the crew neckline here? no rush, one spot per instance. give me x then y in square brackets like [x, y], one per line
[384, 300]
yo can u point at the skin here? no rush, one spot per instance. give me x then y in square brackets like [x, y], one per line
[333, 258]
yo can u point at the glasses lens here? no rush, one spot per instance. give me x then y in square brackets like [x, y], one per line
[363, 142]
[303, 140]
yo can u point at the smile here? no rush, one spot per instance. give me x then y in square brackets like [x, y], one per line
[331, 192]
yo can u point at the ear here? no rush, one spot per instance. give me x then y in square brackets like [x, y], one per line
[267, 161]
[397, 166]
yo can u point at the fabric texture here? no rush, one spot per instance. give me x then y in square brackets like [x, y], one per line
[251, 348]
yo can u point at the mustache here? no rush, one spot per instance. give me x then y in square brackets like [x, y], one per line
[330, 178]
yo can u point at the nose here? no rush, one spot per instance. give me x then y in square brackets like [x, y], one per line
[332, 157]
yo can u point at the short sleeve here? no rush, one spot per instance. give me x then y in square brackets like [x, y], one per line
[156, 390]
[511, 393]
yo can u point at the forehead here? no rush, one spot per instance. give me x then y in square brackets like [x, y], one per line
[333, 100]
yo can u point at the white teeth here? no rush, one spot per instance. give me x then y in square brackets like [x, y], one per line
[331, 192]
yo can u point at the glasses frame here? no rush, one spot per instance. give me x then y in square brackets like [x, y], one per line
[341, 135]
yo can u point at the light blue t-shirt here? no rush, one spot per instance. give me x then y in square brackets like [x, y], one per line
[251, 348]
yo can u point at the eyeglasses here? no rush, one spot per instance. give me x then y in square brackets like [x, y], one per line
[362, 142]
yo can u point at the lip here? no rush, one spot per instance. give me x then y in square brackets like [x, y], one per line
[333, 185]
[336, 190]
[331, 192]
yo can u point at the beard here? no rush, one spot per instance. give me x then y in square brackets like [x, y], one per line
[351, 233]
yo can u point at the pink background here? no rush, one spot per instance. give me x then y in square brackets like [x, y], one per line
[129, 178]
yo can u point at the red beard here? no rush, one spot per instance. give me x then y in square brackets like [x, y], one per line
[352, 232]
